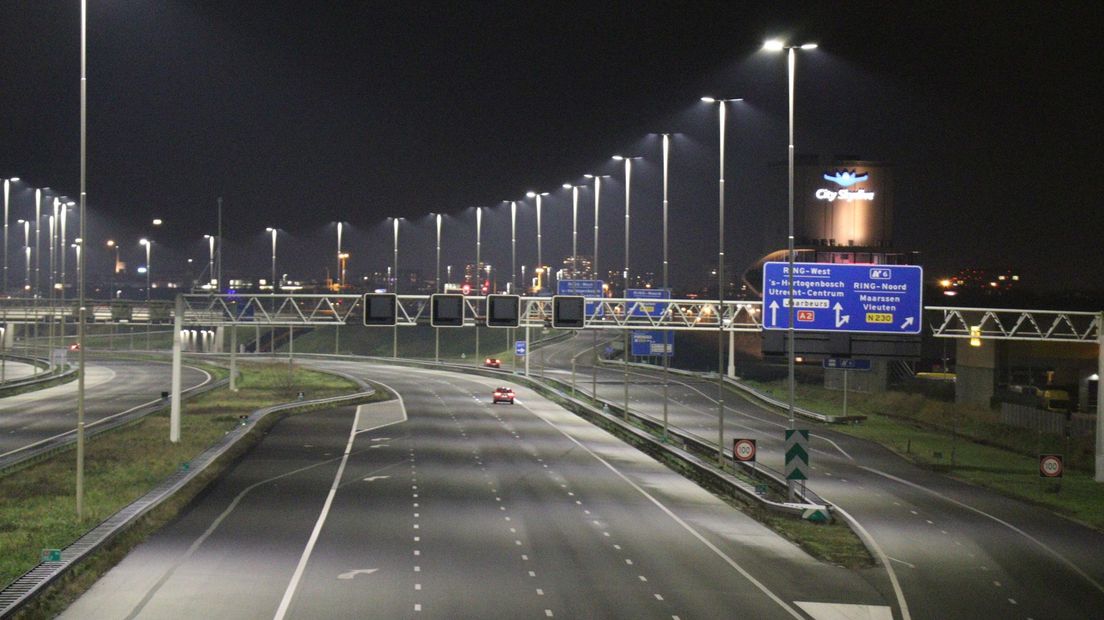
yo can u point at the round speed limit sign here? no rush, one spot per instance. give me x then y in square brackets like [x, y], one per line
[743, 449]
[1050, 465]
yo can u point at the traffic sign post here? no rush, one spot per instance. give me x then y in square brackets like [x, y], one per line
[743, 450]
[519, 348]
[878, 299]
[1050, 470]
[845, 365]
[797, 458]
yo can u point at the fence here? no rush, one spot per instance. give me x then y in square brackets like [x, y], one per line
[1047, 421]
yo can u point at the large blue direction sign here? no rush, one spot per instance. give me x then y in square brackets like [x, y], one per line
[875, 299]
[647, 309]
[646, 343]
[590, 289]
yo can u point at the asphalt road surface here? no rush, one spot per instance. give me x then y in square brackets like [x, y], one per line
[443, 505]
[957, 551]
[111, 387]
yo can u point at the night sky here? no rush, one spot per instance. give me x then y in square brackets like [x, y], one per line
[300, 114]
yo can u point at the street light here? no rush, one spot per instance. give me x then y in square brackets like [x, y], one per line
[597, 201]
[27, 253]
[628, 192]
[273, 232]
[211, 261]
[720, 271]
[513, 246]
[777, 45]
[574, 229]
[340, 263]
[148, 244]
[7, 195]
[38, 241]
[540, 257]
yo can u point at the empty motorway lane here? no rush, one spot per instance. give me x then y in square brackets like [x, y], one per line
[443, 505]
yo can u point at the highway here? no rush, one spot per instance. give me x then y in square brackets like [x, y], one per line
[440, 504]
[958, 551]
[111, 388]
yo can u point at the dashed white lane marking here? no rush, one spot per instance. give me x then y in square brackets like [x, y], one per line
[548, 612]
[659, 597]
[532, 573]
[686, 526]
[628, 561]
[642, 577]
[417, 606]
[997, 583]
[417, 569]
[417, 586]
[1013, 601]
[540, 592]
[1038, 542]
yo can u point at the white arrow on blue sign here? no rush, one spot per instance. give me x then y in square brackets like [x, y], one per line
[878, 299]
[519, 347]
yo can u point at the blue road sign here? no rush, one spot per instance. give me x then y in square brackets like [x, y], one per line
[651, 342]
[878, 299]
[590, 289]
[519, 347]
[843, 363]
[647, 309]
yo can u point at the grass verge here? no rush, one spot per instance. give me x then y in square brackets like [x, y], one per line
[39, 508]
[965, 442]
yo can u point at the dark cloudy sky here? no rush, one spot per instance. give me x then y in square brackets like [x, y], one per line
[300, 114]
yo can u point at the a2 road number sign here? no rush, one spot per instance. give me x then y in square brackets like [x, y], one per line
[743, 450]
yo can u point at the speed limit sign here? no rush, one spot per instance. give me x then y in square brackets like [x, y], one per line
[743, 450]
[1050, 465]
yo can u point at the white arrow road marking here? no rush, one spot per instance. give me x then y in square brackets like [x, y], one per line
[907, 322]
[371, 478]
[354, 573]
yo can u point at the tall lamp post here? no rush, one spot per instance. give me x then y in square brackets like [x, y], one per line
[574, 229]
[7, 197]
[513, 248]
[26, 253]
[666, 334]
[540, 257]
[212, 284]
[272, 231]
[776, 45]
[440, 289]
[478, 271]
[147, 244]
[625, 275]
[337, 274]
[720, 274]
[38, 242]
[395, 284]
[594, 269]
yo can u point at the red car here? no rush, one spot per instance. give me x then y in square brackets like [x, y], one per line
[504, 395]
[492, 362]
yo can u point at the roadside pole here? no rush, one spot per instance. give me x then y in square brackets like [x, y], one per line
[527, 350]
[625, 359]
[845, 392]
[174, 408]
[233, 357]
[1100, 397]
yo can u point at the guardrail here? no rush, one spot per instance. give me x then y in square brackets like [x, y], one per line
[51, 375]
[21, 457]
[20, 591]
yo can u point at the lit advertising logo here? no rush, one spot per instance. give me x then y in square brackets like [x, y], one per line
[844, 179]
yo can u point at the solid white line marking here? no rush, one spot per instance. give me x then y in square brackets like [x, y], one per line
[686, 526]
[281, 611]
[865, 535]
[1038, 542]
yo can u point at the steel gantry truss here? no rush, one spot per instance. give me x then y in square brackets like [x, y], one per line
[411, 310]
[1001, 324]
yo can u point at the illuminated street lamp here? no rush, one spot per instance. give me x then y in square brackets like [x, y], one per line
[777, 45]
[211, 261]
[628, 192]
[7, 196]
[148, 244]
[27, 253]
[574, 229]
[340, 261]
[540, 257]
[273, 232]
[720, 272]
